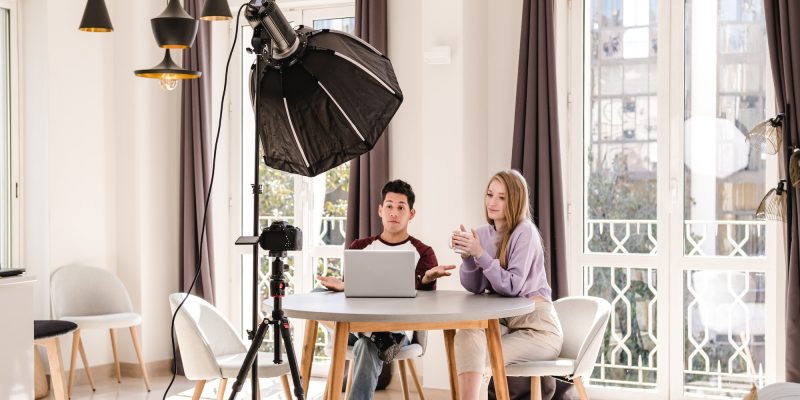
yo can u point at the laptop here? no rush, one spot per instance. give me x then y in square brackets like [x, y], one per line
[379, 273]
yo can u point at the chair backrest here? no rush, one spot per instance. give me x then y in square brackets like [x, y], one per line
[78, 290]
[583, 321]
[203, 334]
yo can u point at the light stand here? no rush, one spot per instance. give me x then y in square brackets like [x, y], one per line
[277, 285]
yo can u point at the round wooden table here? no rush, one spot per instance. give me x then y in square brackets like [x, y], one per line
[430, 310]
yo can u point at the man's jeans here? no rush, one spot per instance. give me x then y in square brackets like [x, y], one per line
[367, 367]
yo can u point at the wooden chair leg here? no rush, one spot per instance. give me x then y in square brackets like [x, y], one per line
[287, 391]
[85, 362]
[76, 337]
[404, 379]
[56, 367]
[536, 388]
[113, 334]
[581, 389]
[350, 365]
[138, 348]
[221, 390]
[198, 389]
[413, 369]
[258, 389]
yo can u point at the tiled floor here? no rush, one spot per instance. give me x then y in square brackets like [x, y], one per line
[133, 389]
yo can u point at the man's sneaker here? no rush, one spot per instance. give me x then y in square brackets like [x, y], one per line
[388, 354]
[387, 347]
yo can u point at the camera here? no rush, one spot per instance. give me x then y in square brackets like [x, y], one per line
[281, 237]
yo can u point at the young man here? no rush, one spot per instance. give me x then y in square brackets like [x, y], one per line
[370, 352]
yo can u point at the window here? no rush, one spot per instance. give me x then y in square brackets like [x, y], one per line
[668, 192]
[9, 140]
[318, 205]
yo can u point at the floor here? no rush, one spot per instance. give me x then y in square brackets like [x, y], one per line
[133, 389]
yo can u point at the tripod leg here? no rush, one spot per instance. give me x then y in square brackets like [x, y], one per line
[252, 353]
[287, 341]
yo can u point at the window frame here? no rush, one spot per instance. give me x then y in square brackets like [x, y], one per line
[13, 141]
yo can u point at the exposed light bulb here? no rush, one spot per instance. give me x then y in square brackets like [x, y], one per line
[168, 82]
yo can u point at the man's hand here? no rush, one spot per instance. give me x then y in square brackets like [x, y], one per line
[331, 283]
[436, 272]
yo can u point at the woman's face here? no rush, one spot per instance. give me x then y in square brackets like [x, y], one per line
[495, 201]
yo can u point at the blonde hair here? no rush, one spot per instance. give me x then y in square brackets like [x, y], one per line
[517, 208]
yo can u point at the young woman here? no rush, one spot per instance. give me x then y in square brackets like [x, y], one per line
[506, 257]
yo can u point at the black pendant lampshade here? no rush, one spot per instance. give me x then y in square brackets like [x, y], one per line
[174, 28]
[95, 17]
[167, 72]
[216, 10]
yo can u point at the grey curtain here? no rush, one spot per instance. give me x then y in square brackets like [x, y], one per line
[196, 162]
[536, 150]
[370, 171]
[783, 37]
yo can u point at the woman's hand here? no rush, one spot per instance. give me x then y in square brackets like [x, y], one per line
[468, 242]
[331, 283]
[436, 272]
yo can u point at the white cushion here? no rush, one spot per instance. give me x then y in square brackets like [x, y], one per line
[558, 367]
[780, 391]
[230, 364]
[105, 321]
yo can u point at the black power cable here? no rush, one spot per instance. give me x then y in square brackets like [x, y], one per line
[205, 205]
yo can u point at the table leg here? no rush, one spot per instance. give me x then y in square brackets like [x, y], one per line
[495, 348]
[449, 344]
[309, 340]
[336, 373]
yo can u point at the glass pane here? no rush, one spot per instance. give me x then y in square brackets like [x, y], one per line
[340, 24]
[724, 332]
[334, 213]
[628, 356]
[620, 154]
[725, 96]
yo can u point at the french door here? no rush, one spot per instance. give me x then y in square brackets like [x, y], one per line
[662, 194]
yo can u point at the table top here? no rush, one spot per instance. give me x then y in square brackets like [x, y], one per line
[428, 306]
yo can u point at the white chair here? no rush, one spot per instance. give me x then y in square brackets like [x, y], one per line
[583, 321]
[211, 348]
[94, 298]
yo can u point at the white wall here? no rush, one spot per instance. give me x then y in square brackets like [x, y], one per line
[101, 162]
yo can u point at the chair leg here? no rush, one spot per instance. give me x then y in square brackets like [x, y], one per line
[76, 337]
[86, 364]
[536, 388]
[404, 379]
[56, 367]
[258, 389]
[138, 348]
[287, 391]
[413, 369]
[581, 389]
[221, 390]
[113, 334]
[198, 389]
[350, 369]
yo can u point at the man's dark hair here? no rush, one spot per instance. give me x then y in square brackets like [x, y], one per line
[399, 187]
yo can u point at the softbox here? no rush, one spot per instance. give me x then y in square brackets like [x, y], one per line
[326, 104]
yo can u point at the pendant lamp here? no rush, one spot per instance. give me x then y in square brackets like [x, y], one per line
[174, 28]
[95, 17]
[216, 10]
[168, 73]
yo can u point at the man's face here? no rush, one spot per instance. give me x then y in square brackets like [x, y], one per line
[395, 213]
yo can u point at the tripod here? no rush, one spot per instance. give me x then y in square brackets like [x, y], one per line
[280, 326]
[260, 43]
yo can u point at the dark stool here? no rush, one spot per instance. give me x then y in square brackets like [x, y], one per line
[46, 334]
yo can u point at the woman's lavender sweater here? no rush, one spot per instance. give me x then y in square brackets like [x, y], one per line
[524, 275]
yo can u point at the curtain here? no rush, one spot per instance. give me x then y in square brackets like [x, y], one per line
[783, 37]
[195, 162]
[370, 171]
[536, 150]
